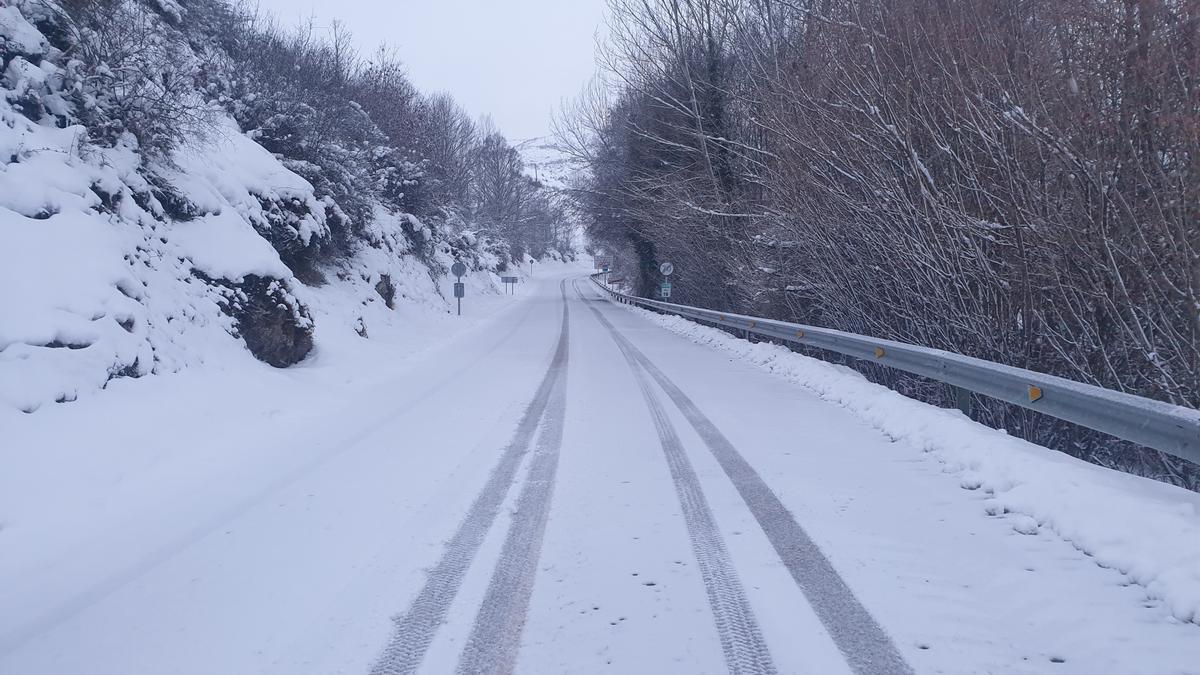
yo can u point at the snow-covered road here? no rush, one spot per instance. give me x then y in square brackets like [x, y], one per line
[565, 487]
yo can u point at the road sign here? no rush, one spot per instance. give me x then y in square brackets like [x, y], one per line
[666, 269]
[460, 291]
[509, 282]
[665, 290]
[458, 269]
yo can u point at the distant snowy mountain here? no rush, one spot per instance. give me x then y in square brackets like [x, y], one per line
[552, 169]
[545, 162]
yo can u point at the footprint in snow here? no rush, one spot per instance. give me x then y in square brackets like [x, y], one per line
[1025, 525]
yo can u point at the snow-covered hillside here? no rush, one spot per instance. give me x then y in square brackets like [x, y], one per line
[120, 262]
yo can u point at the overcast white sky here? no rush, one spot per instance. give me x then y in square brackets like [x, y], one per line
[515, 59]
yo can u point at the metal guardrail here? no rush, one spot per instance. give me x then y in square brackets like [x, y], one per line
[1172, 429]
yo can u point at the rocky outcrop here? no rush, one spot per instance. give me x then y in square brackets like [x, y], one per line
[386, 290]
[276, 328]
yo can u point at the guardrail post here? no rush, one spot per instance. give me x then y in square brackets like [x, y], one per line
[962, 400]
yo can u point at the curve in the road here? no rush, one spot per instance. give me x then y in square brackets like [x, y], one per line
[867, 647]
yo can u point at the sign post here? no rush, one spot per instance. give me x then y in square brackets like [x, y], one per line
[510, 283]
[603, 265]
[666, 269]
[458, 269]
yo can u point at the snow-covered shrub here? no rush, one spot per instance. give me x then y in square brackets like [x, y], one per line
[125, 70]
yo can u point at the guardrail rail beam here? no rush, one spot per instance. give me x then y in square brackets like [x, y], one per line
[1172, 429]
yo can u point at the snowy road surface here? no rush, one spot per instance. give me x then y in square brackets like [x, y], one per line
[565, 487]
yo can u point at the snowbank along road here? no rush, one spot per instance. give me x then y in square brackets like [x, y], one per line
[571, 487]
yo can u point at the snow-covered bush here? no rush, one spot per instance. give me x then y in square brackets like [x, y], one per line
[123, 69]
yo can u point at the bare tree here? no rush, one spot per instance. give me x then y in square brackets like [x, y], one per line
[1010, 180]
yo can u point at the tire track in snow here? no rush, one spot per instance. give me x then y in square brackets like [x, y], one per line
[496, 636]
[867, 647]
[741, 639]
[416, 628]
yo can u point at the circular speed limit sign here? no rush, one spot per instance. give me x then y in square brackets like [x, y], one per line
[458, 269]
[666, 269]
